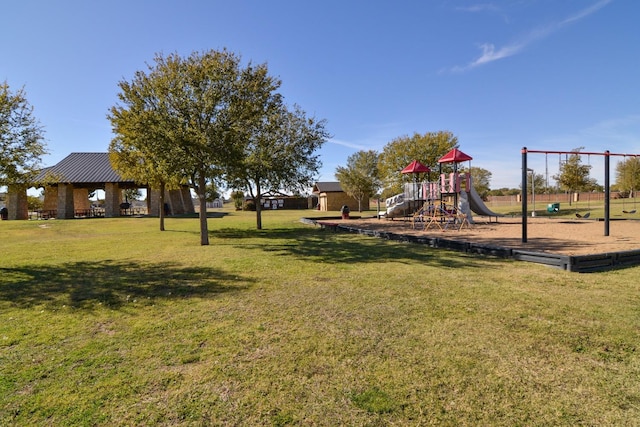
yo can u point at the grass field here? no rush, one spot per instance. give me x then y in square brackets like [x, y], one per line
[112, 322]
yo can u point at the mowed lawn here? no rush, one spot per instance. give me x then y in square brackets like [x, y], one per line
[112, 322]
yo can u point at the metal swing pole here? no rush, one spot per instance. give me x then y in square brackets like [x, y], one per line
[524, 194]
[607, 203]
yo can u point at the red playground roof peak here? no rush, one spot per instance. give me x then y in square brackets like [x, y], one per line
[455, 156]
[416, 167]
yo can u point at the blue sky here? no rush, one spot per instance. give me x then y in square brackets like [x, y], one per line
[500, 75]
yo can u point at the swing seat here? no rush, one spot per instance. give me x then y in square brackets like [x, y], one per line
[585, 216]
[632, 211]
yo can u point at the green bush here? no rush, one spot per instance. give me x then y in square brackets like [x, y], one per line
[249, 205]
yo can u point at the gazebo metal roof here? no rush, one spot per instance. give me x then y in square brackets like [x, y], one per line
[82, 169]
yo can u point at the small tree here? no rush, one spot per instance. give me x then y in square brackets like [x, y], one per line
[628, 175]
[21, 138]
[360, 178]
[238, 199]
[538, 184]
[34, 203]
[573, 175]
[135, 156]
[279, 153]
[212, 191]
[132, 194]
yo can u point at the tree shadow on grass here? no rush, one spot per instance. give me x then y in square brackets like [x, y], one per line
[196, 215]
[330, 247]
[111, 283]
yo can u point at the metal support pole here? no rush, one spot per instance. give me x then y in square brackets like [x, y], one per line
[524, 194]
[607, 205]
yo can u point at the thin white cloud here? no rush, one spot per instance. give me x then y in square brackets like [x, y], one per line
[347, 144]
[586, 12]
[377, 135]
[618, 135]
[490, 53]
[489, 8]
[483, 7]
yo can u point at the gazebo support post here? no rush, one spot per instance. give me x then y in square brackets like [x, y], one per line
[112, 200]
[17, 202]
[65, 208]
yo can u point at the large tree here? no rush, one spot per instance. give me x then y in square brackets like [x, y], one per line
[628, 175]
[481, 181]
[198, 108]
[360, 178]
[21, 138]
[279, 152]
[427, 148]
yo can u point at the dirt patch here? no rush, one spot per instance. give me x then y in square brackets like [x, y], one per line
[560, 236]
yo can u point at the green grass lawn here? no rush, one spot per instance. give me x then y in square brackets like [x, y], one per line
[112, 322]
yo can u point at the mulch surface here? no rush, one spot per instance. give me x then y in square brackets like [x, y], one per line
[560, 236]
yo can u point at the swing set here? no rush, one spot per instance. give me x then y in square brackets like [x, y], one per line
[607, 185]
[624, 207]
[588, 214]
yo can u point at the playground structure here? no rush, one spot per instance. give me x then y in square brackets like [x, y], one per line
[452, 196]
[607, 184]
[448, 193]
[567, 245]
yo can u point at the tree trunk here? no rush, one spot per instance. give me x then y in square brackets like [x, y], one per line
[202, 196]
[161, 207]
[258, 206]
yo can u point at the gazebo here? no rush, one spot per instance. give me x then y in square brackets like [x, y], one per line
[68, 183]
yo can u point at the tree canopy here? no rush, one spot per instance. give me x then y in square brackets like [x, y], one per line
[21, 137]
[481, 181]
[278, 153]
[427, 149]
[628, 175]
[360, 179]
[574, 175]
[184, 119]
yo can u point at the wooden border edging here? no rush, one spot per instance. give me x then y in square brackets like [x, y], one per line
[573, 263]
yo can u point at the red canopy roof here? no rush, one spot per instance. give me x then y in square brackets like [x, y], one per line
[455, 156]
[416, 167]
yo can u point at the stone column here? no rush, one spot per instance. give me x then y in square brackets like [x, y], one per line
[81, 199]
[50, 198]
[174, 197]
[153, 199]
[17, 202]
[187, 200]
[112, 200]
[50, 206]
[65, 201]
